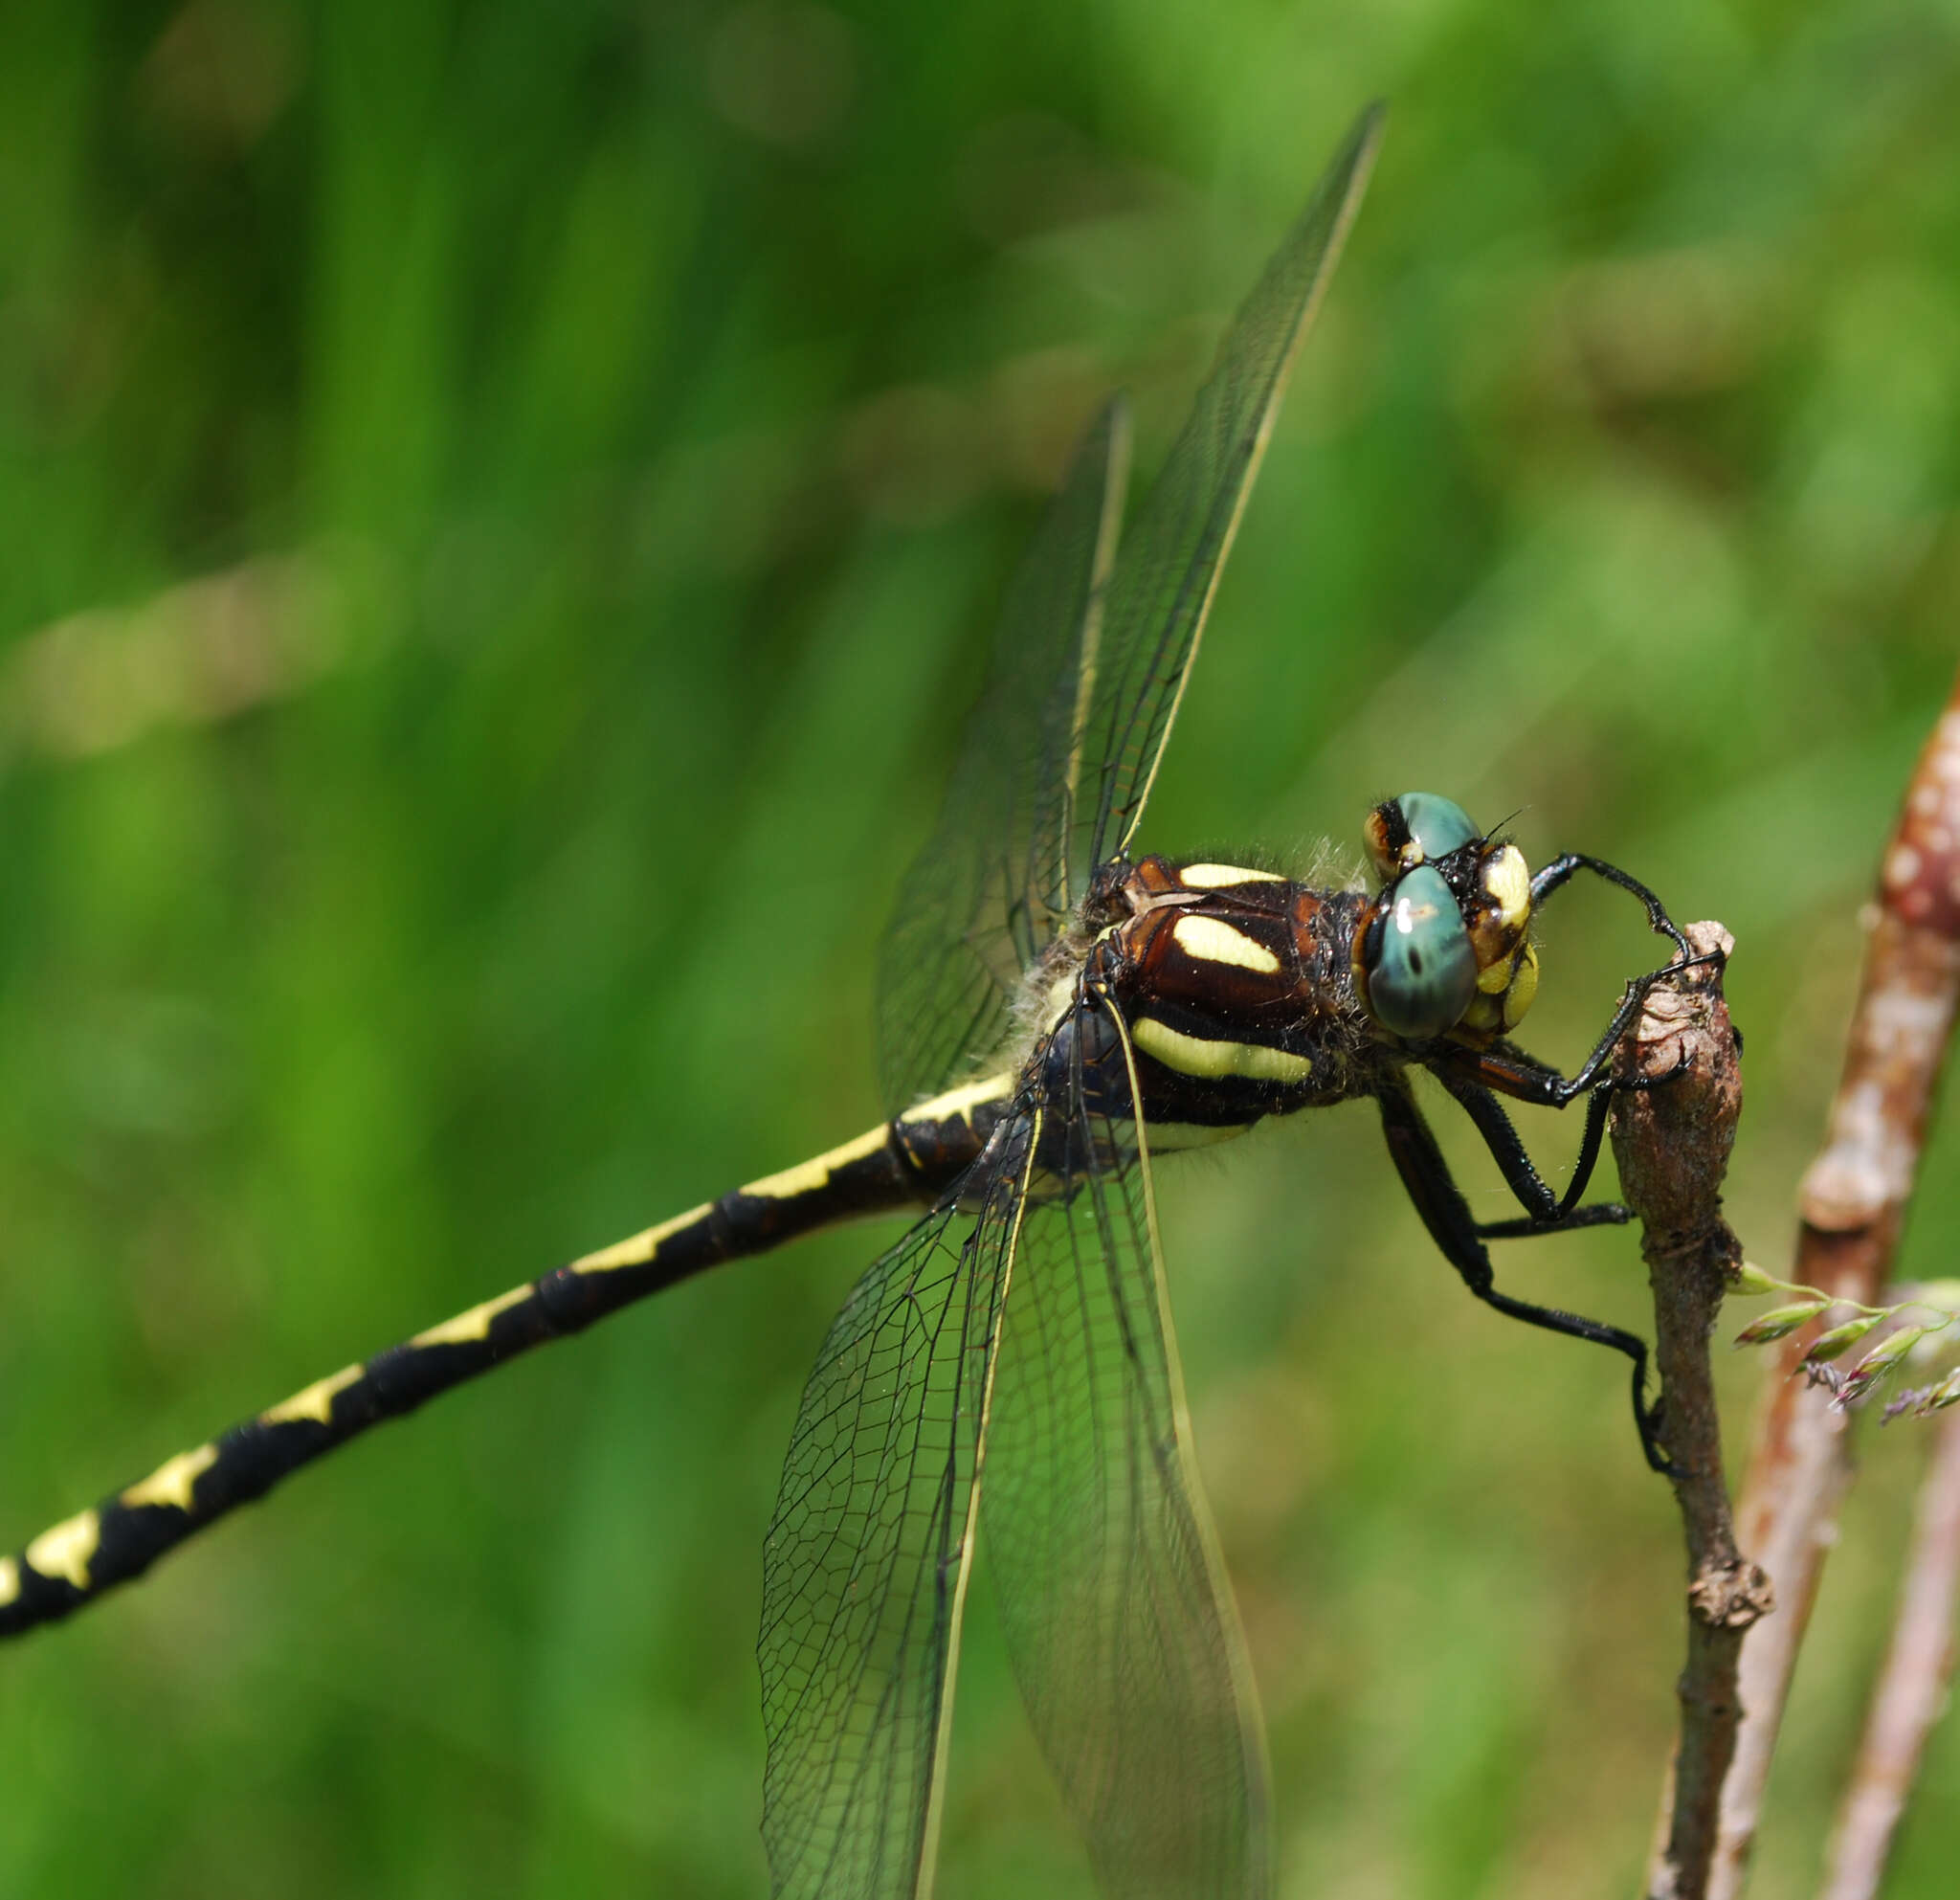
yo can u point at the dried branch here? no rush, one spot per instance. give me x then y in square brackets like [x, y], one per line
[1912, 1688]
[1672, 1143]
[1852, 1203]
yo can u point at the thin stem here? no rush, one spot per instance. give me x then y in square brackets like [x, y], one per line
[1672, 1142]
[1912, 1688]
[1852, 1202]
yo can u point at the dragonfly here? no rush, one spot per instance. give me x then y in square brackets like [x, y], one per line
[1054, 1014]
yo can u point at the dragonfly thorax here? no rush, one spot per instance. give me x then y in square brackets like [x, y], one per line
[1234, 987]
[1244, 994]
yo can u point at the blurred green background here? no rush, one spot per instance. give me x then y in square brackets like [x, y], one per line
[500, 507]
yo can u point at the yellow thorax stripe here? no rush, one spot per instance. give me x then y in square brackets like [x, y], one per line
[1214, 1061]
[1219, 877]
[1213, 940]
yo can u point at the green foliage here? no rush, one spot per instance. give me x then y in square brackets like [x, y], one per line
[599, 434]
[1926, 1341]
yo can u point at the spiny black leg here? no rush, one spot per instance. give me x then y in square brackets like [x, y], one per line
[1562, 869]
[1511, 1072]
[1597, 1108]
[1543, 1213]
[1647, 1418]
[1440, 1202]
[1532, 1082]
[1507, 1148]
[1599, 1213]
[1552, 876]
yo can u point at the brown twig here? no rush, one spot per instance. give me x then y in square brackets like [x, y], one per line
[1912, 1688]
[1852, 1202]
[1672, 1144]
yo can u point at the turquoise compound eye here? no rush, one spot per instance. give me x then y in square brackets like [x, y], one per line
[1439, 826]
[1422, 973]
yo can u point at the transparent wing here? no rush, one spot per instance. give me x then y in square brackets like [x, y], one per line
[1060, 756]
[1172, 553]
[1119, 1620]
[986, 891]
[864, 1572]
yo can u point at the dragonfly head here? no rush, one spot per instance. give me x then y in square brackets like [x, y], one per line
[1444, 944]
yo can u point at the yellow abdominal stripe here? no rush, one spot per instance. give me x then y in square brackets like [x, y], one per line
[1213, 1061]
[314, 1402]
[637, 1249]
[807, 1177]
[173, 1484]
[10, 1579]
[473, 1325]
[957, 1103]
[1213, 940]
[68, 1548]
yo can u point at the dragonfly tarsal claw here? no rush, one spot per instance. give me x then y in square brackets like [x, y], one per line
[1653, 1423]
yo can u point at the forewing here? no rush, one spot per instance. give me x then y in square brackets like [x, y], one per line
[988, 888]
[865, 1568]
[1059, 755]
[1117, 1616]
[1172, 552]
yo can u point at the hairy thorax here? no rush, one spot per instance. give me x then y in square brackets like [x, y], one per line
[1235, 986]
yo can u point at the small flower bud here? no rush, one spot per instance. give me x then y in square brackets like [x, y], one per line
[1841, 1338]
[1922, 1400]
[1778, 1321]
[1876, 1364]
[1893, 1348]
[1748, 1279]
[1947, 1392]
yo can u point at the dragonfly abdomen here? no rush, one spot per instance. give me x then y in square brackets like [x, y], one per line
[899, 1165]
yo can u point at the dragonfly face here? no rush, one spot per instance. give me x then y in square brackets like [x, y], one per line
[1443, 950]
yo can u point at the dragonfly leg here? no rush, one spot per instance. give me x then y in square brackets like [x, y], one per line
[1549, 1086]
[1435, 1196]
[1564, 868]
[1545, 1213]
[1595, 1213]
[1475, 1077]
[1510, 1072]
